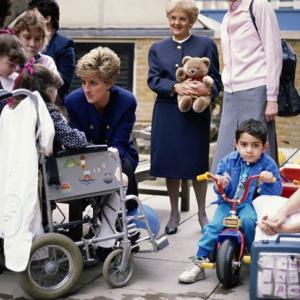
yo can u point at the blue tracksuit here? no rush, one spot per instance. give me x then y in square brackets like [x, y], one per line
[233, 165]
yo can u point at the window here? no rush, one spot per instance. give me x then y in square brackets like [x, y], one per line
[124, 50]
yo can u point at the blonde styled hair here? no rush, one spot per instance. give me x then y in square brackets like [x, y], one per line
[102, 61]
[31, 21]
[188, 6]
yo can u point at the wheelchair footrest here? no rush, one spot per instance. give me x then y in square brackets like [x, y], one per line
[161, 243]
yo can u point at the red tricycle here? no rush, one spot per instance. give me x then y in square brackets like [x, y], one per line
[230, 248]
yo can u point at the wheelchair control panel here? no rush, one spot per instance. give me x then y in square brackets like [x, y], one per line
[75, 174]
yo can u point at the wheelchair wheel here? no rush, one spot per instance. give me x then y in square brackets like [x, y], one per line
[111, 269]
[54, 267]
[227, 264]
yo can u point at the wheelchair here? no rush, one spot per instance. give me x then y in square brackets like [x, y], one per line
[89, 176]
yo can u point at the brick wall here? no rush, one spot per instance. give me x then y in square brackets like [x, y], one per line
[288, 129]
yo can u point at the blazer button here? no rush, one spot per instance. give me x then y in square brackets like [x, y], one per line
[107, 126]
[178, 47]
[91, 126]
[176, 65]
[91, 141]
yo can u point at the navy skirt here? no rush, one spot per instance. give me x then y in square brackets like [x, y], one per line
[179, 141]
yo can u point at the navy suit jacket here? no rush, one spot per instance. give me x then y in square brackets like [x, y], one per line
[113, 126]
[162, 67]
[61, 49]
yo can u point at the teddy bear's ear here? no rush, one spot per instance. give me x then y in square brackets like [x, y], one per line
[206, 61]
[185, 59]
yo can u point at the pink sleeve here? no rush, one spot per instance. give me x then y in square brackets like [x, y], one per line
[267, 25]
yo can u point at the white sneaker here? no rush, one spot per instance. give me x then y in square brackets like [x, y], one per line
[192, 273]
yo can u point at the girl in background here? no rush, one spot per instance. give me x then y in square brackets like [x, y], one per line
[11, 55]
[31, 29]
[36, 77]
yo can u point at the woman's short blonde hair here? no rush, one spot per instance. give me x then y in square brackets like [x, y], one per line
[102, 61]
[188, 6]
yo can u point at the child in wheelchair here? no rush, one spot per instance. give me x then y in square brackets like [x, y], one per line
[232, 172]
[38, 78]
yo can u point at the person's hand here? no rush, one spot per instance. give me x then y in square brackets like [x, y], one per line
[183, 89]
[271, 110]
[275, 221]
[223, 181]
[199, 88]
[274, 224]
[264, 226]
[266, 176]
[191, 87]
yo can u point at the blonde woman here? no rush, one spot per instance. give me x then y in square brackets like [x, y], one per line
[103, 110]
[180, 141]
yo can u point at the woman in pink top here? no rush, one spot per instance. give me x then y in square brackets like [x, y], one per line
[252, 68]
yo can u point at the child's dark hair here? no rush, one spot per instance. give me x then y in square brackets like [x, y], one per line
[252, 127]
[5, 10]
[39, 79]
[11, 47]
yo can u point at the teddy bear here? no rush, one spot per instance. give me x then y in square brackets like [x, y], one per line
[195, 68]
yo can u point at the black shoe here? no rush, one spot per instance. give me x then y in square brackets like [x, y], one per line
[170, 229]
[102, 252]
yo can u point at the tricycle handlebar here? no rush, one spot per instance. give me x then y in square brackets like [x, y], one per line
[210, 176]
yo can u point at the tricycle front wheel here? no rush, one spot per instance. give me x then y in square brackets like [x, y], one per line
[228, 265]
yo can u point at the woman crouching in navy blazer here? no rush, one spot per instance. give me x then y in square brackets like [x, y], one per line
[104, 111]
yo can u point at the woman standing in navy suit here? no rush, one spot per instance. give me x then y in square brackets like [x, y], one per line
[180, 141]
[104, 111]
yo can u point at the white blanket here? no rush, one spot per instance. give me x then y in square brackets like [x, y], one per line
[20, 217]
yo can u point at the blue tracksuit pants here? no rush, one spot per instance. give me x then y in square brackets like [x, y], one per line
[209, 238]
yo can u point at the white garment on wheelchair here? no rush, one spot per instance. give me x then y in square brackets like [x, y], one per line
[20, 217]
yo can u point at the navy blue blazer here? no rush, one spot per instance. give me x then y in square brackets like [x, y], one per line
[61, 49]
[161, 75]
[179, 141]
[113, 126]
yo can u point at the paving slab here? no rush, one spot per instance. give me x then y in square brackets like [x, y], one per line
[155, 274]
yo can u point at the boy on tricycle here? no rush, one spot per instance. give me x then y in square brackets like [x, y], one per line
[233, 171]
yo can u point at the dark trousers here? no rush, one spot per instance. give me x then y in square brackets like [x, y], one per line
[132, 185]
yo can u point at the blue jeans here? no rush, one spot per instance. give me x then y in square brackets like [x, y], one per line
[247, 215]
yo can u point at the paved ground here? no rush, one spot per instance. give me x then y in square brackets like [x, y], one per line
[155, 274]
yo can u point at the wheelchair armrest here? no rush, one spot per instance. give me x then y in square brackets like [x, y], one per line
[4, 94]
[87, 149]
